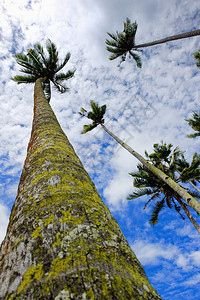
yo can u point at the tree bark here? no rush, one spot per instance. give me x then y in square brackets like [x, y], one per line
[175, 186]
[169, 38]
[61, 241]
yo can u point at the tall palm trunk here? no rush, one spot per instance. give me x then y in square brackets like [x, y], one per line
[62, 242]
[169, 38]
[175, 186]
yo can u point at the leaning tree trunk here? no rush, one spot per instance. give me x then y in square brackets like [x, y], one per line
[161, 175]
[169, 38]
[62, 242]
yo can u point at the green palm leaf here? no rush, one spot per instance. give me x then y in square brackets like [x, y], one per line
[89, 127]
[24, 79]
[155, 211]
[65, 61]
[139, 193]
[123, 43]
[38, 64]
[96, 115]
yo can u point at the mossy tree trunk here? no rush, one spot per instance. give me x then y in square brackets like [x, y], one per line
[62, 242]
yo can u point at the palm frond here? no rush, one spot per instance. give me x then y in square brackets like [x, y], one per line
[65, 61]
[53, 55]
[113, 36]
[63, 76]
[40, 50]
[25, 62]
[197, 57]
[139, 193]
[137, 59]
[102, 111]
[193, 135]
[156, 210]
[60, 87]
[195, 124]
[35, 59]
[24, 79]
[155, 195]
[89, 127]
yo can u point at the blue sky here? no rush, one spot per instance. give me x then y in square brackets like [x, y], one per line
[143, 106]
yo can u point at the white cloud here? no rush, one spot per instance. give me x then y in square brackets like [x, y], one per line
[4, 215]
[152, 253]
[193, 280]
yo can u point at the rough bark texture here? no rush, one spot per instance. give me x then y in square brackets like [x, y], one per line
[62, 242]
[156, 171]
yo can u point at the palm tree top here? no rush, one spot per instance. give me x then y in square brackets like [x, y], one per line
[38, 63]
[96, 115]
[174, 164]
[194, 122]
[123, 43]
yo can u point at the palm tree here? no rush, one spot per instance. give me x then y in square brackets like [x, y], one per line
[175, 159]
[97, 114]
[36, 64]
[189, 172]
[62, 241]
[123, 43]
[197, 57]
[150, 185]
[195, 124]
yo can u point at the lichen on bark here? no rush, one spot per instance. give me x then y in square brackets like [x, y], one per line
[62, 242]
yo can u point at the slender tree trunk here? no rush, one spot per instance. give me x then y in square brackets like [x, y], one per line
[188, 214]
[194, 186]
[61, 241]
[169, 38]
[175, 186]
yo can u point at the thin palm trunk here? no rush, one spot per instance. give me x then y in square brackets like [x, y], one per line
[194, 186]
[61, 241]
[175, 186]
[169, 38]
[188, 214]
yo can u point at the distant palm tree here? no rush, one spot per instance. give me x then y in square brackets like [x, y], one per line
[175, 166]
[195, 124]
[124, 43]
[97, 116]
[175, 159]
[36, 64]
[150, 185]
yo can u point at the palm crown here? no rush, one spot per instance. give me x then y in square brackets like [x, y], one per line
[173, 164]
[96, 115]
[195, 124]
[122, 43]
[38, 64]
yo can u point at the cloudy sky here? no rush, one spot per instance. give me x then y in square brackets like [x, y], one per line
[144, 106]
